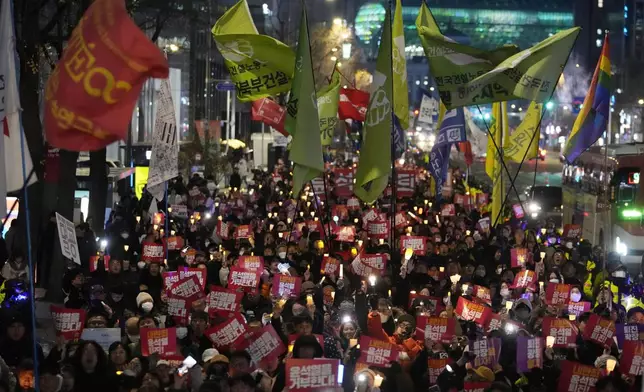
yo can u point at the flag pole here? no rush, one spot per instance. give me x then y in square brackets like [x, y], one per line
[392, 218]
[167, 221]
[15, 203]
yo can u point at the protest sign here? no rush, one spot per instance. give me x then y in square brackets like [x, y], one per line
[330, 266]
[629, 333]
[571, 231]
[558, 294]
[519, 257]
[578, 308]
[436, 329]
[223, 335]
[162, 341]
[525, 279]
[576, 377]
[405, 182]
[285, 286]
[378, 229]
[434, 368]
[345, 233]
[415, 243]
[95, 260]
[343, 181]
[353, 203]
[303, 375]
[599, 330]
[632, 359]
[67, 238]
[482, 294]
[476, 386]
[263, 345]
[529, 353]
[244, 279]
[487, 350]
[470, 311]
[483, 225]
[341, 211]
[243, 232]
[493, 323]
[187, 288]
[400, 220]
[459, 199]
[448, 210]
[223, 230]
[103, 336]
[68, 323]
[366, 265]
[178, 307]
[482, 199]
[564, 332]
[200, 273]
[251, 262]
[221, 300]
[152, 252]
[518, 211]
[179, 210]
[174, 243]
[375, 352]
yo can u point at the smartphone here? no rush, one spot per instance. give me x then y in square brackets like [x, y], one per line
[188, 363]
[340, 374]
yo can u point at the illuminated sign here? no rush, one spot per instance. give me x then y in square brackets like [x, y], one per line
[140, 180]
[633, 178]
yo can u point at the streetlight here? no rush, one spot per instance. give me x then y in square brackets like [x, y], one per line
[641, 101]
[337, 21]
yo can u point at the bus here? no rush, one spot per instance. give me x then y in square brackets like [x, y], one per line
[608, 214]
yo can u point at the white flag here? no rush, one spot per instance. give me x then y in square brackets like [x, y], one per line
[11, 178]
[427, 110]
[164, 162]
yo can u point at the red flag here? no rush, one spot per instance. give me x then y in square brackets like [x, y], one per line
[466, 148]
[270, 113]
[92, 92]
[353, 104]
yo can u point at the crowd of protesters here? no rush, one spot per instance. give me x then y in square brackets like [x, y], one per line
[468, 310]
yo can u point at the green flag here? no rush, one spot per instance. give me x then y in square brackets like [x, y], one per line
[467, 76]
[259, 65]
[375, 156]
[524, 142]
[328, 100]
[426, 19]
[306, 147]
[401, 93]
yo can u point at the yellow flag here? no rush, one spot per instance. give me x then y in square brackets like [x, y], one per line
[493, 161]
[524, 142]
[399, 64]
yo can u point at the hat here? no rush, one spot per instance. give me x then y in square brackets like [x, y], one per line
[308, 285]
[407, 318]
[523, 301]
[143, 297]
[209, 354]
[485, 372]
[163, 362]
[219, 358]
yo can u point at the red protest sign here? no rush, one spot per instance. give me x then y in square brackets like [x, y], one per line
[571, 231]
[482, 199]
[94, 260]
[576, 377]
[557, 293]
[169, 278]
[564, 332]
[469, 386]
[225, 334]
[436, 329]
[448, 210]
[304, 375]
[518, 211]
[178, 307]
[341, 211]
[68, 323]
[405, 182]
[102, 70]
[375, 352]
[459, 199]
[493, 323]
[525, 278]
[378, 229]
[152, 252]
[365, 264]
[174, 243]
[286, 286]
[529, 353]
[243, 232]
[251, 262]
[200, 273]
[187, 288]
[264, 344]
[223, 230]
[343, 182]
[435, 367]
[330, 266]
[578, 308]
[162, 341]
[400, 220]
[519, 257]
[240, 278]
[222, 300]
[353, 203]
[345, 233]
[631, 361]
[416, 243]
[482, 294]
[599, 330]
[470, 311]
[487, 351]
[315, 226]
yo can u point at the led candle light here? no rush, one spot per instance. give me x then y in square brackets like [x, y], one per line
[508, 305]
[550, 341]
[126, 247]
[572, 317]
[610, 364]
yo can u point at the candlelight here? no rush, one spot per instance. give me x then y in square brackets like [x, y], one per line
[465, 287]
[169, 209]
[441, 269]
[550, 341]
[377, 381]
[126, 247]
[467, 232]
[541, 286]
[312, 213]
[270, 214]
[381, 241]
[308, 204]
[610, 364]
[309, 299]
[409, 252]
[425, 222]
[315, 219]
[508, 305]
[301, 213]
[138, 219]
[542, 255]
[353, 342]
[455, 278]
[280, 234]
[192, 222]
[415, 208]
[426, 201]
[420, 211]
[438, 220]
[372, 280]
[572, 317]
[389, 293]
[355, 220]
[290, 348]
[333, 295]
[341, 270]
[543, 231]
[288, 220]
[172, 232]
[360, 242]
[155, 227]
[279, 203]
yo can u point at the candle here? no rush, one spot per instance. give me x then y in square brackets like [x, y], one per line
[610, 364]
[332, 293]
[138, 219]
[353, 342]
[341, 271]
[389, 293]
[309, 299]
[377, 381]
[572, 317]
[441, 269]
[550, 341]
[509, 304]
[126, 247]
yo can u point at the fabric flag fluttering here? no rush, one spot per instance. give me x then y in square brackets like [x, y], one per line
[164, 162]
[11, 178]
[353, 104]
[593, 118]
[328, 100]
[374, 167]
[91, 94]
[259, 65]
[428, 107]
[401, 92]
[523, 143]
[452, 131]
[493, 162]
[306, 146]
[270, 113]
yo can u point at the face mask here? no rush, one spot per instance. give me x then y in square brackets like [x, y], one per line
[117, 297]
[554, 280]
[282, 255]
[182, 332]
[505, 293]
[125, 236]
[147, 307]
[141, 264]
[575, 297]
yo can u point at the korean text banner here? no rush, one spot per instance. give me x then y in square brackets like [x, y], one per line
[375, 352]
[221, 300]
[68, 323]
[226, 334]
[259, 65]
[303, 375]
[576, 377]
[162, 341]
[91, 94]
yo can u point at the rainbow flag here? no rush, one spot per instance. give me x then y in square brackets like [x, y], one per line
[593, 118]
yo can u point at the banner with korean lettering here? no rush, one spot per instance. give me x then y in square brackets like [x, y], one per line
[225, 334]
[564, 332]
[525, 278]
[374, 352]
[579, 308]
[223, 301]
[330, 266]
[415, 243]
[529, 353]
[378, 229]
[557, 293]
[188, 288]
[223, 230]
[251, 262]
[571, 231]
[263, 345]
[345, 233]
[162, 341]
[448, 210]
[629, 333]
[102, 70]
[240, 278]
[343, 182]
[95, 260]
[152, 252]
[470, 311]
[174, 243]
[366, 265]
[400, 220]
[405, 182]
[186, 272]
[476, 386]
[482, 294]
[599, 330]
[353, 203]
[178, 308]
[303, 375]
[493, 323]
[632, 359]
[519, 257]
[270, 113]
[487, 351]
[576, 377]
[483, 224]
[68, 323]
[434, 369]
[436, 329]
[243, 232]
[286, 286]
